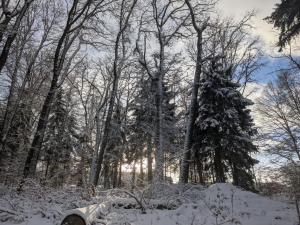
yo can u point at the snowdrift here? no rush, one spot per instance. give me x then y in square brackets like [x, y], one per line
[191, 205]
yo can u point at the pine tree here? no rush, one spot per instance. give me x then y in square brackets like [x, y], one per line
[224, 127]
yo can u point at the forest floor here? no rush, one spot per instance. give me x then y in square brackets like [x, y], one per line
[169, 205]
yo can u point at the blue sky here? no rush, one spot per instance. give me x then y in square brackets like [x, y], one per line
[265, 32]
[268, 37]
[269, 70]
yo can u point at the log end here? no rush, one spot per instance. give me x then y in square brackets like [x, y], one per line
[73, 219]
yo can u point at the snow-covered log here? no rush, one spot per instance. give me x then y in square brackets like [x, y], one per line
[86, 215]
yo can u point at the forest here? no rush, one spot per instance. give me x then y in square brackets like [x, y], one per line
[137, 112]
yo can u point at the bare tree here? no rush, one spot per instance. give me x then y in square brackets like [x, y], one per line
[126, 11]
[278, 107]
[18, 13]
[14, 98]
[77, 16]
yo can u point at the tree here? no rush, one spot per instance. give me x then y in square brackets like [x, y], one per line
[18, 12]
[216, 37]
[142, 127]
[286, 18]
[78, 91]
[17, 143]
[193, 107]
[77, 16]
[291, 176]
[25, 50]
[143, 109]
[280, 110]
[59, 142]
[225, 127]
[126, 11]
[168, 19]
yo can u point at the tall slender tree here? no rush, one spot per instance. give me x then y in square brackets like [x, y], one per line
[193, 107]
[126, 11]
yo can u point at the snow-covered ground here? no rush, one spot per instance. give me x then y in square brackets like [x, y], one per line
[173, 205]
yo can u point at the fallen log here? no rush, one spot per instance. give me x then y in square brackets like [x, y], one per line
[86, 215]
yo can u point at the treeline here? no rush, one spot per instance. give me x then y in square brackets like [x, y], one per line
[90, 86]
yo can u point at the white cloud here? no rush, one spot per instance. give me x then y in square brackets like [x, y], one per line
[238, 8]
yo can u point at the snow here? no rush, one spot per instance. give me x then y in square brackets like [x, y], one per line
[89, 213]
[215, 205]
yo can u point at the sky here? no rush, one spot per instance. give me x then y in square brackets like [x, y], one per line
[263, 8]
[267, 35]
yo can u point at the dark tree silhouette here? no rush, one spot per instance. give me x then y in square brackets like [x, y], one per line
[286, 18]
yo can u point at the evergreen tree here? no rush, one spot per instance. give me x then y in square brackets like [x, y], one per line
[286, 18]
[224, 127]
[141, 129]
[17, 143]
[144, 119]
[59, 142]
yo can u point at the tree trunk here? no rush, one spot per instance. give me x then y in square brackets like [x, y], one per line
[120, 174]
[115, 174]
[199, 169]
[106, 181]
[3, 26]
[159, 156]
[81, 170]
[97, 145]
[141, 171]
[133, 175]
[158, 137]
[193, 108]
[106, 131]
[34, 151]
[220, 176]
[297, 209]
[149, 160]
[9, 111]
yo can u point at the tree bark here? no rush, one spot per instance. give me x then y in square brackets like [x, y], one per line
[141, 171]
[115, 174]
[106, 131]
[199, 169]
[220, 176]
[159, 156]
[106, 181]
[188, 141]
[149, 160]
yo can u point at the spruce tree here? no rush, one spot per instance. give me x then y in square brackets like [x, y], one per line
[17, 143]
[286, 18]
[224, 127]
[144, 119]
[59, 141]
